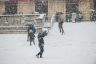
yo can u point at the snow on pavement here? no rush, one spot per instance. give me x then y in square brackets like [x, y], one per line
[76, 46]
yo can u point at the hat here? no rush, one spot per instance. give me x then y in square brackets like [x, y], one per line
[44, 29]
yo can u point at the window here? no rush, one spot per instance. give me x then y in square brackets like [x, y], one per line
[10, 7]
[72, 6]
[41, 6]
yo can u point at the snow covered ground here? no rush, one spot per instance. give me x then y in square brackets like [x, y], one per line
[76, 46]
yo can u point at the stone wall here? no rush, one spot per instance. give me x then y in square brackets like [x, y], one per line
[56, 6]
[26, 7]
[85, 7]
[2, 8]
[60, 6]
[18, 23]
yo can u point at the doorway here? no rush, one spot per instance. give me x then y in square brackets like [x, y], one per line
[41, 6]
[94, 1]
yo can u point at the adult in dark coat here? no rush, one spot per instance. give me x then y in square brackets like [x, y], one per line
[60, 25]
[30, 27]
[41, 35]
[32, 36]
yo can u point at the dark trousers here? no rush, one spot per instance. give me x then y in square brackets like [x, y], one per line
[61, 30]
[32, 40]
[28, 37]
[41, 51]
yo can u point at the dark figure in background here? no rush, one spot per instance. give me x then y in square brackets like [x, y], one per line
[68, 18]
[60, 25]
[31, 27]
[31, 36]
[41, 35]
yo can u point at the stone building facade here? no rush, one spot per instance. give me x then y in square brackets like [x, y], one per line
[85, 7]
[28, 6]
[23, 6]
[13, 13]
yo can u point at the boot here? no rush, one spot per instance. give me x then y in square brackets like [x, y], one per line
[37, 56]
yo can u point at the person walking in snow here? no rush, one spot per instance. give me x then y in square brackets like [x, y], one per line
[30, 27]
[60, 25]
[41, 35]
[31, 37]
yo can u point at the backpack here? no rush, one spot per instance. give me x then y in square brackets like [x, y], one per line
[33, 29]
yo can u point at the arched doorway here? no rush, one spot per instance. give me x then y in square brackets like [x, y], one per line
[72, 6]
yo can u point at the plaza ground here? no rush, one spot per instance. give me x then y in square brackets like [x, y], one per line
[76, 46]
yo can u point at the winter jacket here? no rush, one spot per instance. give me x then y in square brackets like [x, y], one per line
[31, 35]
[40, 39]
